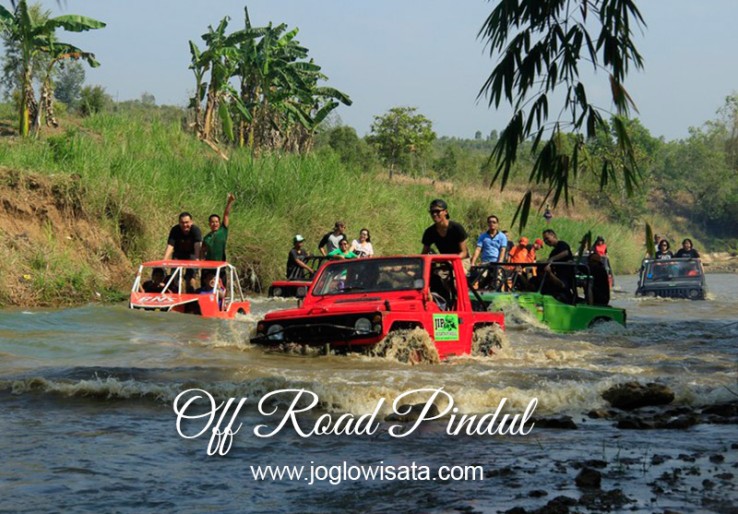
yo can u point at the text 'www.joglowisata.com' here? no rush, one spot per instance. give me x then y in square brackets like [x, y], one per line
[345, 472]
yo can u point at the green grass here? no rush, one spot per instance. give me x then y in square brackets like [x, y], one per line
[139, 174]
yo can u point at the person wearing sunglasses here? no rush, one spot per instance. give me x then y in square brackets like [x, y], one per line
[492, 244]
[663, 252]
[449, 237]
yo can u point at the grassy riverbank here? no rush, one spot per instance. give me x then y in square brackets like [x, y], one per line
[96, 199]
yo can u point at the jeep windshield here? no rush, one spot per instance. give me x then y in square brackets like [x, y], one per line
[672, 269]
[370, 275]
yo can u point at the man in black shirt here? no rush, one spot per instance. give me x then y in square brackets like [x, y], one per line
[448, 236]
[296, 267]
[561, 252]
[185, 243]
[600, 280]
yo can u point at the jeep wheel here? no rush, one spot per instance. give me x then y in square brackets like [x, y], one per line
[488, 341]
[598, 322]
[409, 346]
[694, 294]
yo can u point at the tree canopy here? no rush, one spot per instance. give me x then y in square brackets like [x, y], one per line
[401, 135]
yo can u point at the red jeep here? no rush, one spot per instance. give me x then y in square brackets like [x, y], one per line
[352, 305]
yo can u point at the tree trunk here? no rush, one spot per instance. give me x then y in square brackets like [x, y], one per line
[46, 107]
[27, 104]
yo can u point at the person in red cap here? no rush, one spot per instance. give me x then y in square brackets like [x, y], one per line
[519, 252]
[532, 249]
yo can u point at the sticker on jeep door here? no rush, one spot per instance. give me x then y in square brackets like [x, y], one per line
[446, 327]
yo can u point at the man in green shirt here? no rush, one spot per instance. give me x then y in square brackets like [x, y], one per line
[343, 251]
[214, 243]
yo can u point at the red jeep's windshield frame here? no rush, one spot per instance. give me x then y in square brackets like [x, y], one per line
[370, 276]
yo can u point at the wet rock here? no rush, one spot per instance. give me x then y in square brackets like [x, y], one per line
[588, 478]
[502, 472]
[413, 413]
[686, 458]
[694, 471]
[559, 505]
[605, 501]
[565, 422]
[708, 484]
[721, 413]
[516, 510]
[632, 395]
[717, 458]
[724, 410]
[725, 476]
[635, 424]
[592, 463]
[537, 493]
[596, 463]
[601, 414]
[659, 459]
[679, 411]
[679, 423]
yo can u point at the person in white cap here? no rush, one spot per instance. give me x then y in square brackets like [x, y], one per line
[296, 267]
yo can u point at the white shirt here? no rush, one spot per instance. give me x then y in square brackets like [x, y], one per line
[362, 249]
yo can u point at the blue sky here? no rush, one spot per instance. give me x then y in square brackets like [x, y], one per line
[420, 53]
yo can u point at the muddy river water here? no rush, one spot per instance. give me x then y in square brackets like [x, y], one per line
[88, 421]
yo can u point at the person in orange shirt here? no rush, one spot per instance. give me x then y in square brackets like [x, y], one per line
[519, 253]
[537, 245]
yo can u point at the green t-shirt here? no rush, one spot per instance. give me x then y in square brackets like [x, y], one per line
[215, 244]
[347, 255]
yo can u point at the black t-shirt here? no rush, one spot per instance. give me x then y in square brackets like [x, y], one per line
[293, 270]
[561, 246]
[600, 284]
[451, 243]
[687, 254]
[184, 244]
[565, 273]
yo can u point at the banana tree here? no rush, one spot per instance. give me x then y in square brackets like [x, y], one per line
[57, 53]
[199, 67]
[220, 59]
[33, 38]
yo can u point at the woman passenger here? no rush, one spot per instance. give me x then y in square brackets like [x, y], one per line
[663, 252]
[687, 251]
[363, 247]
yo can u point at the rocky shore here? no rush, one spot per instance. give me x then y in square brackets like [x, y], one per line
[708, 477]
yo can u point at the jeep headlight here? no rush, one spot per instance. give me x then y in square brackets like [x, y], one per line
[275, 332]
[377, 321]
[363, 326]
[277, 291]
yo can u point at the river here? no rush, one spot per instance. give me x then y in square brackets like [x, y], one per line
[88, 423]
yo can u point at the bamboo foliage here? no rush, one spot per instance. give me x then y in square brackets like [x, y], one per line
[262, 86]
[540, 45]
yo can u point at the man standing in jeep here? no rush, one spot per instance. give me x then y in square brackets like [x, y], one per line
[185, 243]
[214, 243]
[332, 240]
[448, 236]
